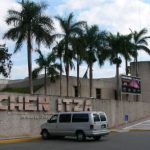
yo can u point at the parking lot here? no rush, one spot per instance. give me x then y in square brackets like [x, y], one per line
[115, 141]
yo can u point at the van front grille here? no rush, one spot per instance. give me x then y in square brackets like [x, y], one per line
[103, 126]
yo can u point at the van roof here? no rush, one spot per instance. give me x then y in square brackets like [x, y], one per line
[89, 112]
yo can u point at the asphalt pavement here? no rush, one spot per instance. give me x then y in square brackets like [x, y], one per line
[115, 141]
[121, 139]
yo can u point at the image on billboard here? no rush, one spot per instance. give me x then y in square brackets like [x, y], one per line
[131, 84]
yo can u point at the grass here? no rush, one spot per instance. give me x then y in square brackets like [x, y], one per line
[21, 89]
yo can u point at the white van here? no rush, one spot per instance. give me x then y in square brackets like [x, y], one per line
[79, 124]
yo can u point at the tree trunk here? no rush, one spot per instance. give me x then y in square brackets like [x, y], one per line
[78, 80]
[29, 47]
[67, 76]
[137, 74]
[126, 62]
[127, 72]
[91, 77]
[117, 81]
[45, 82]
[67, 63]
[60, 74]
[136, 66]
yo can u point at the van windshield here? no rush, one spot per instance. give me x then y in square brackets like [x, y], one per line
[96, 118]
[102, 117]
[53, 119]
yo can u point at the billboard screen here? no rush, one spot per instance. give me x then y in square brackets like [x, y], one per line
[131, 84]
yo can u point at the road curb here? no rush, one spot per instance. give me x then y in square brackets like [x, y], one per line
[138, 130]
[129, 130]
[16, 140]
[113, 131]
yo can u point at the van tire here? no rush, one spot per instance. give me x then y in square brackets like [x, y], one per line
[45, 134]
[96, 138]
[80, 136]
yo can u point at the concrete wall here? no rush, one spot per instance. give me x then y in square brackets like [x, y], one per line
[107, 87]
[20, 82]
[24, 83]
[21, 123]
[144, 74]
[116, 110]
[3, 83]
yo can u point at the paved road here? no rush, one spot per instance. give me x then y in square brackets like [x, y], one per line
[115, 141]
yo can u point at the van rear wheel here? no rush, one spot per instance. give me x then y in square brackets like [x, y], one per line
[80, 136]
[45, 134]
[96, 138]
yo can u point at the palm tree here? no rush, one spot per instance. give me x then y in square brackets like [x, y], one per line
[69, 28]
[29, 23]
[140, 41]
[58, 50]
[93, 40]
[102, 45]
[49, 66]
[78, 45]
[127, 49]
[114, 50]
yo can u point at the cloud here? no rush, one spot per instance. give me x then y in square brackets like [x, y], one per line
[115, 15]
[21, 71]
[142, 56]
[5, 6]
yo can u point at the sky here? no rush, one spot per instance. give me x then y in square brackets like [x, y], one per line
[110, 15]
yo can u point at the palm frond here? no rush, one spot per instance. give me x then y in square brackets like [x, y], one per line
[12, 33]
[51, 58]
[142, 42]
[70, 18]
[40, 53]
[19, 42]
[36, 72]
[79, 24]
[46, 22]
[62, 23]
[145, 48]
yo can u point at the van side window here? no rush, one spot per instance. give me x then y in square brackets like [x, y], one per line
[53, 119]
[102, 117]
[65, 118]
[80, 118]
[96, 118]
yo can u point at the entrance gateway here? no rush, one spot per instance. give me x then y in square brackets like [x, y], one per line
[41, 103]
[23, 114]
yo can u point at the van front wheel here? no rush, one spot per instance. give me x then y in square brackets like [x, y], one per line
[80, 136]
[45, 134]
